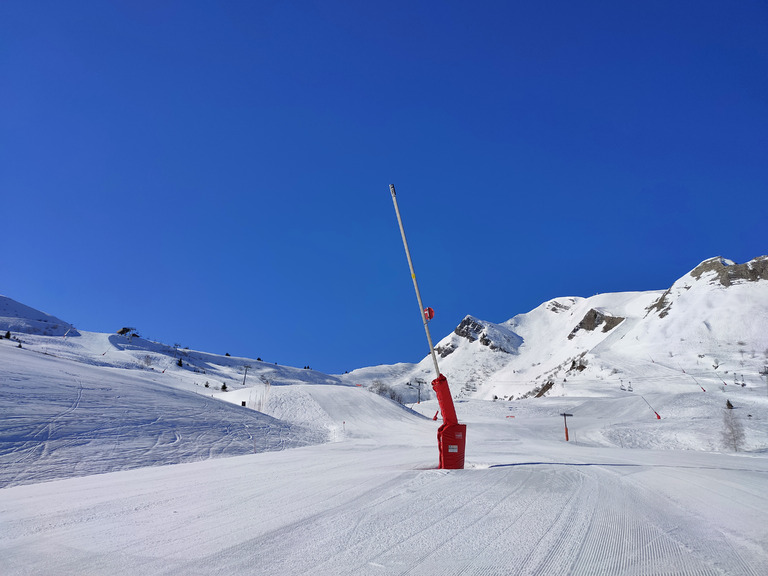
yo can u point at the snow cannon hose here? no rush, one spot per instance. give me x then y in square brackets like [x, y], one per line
[444, 400]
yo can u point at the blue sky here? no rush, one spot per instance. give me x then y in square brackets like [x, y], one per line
[216, 173]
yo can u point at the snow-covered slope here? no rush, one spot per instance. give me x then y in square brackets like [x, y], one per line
[62, 418]
[17, 317]
[79, 403]
[331, 479]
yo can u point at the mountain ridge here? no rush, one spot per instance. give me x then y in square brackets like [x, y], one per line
[718, 308]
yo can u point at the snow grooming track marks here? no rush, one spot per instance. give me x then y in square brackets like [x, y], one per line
[318, 515]
[559, 528]
[437, 529]
[634, 531]
[500, 521]
[708, 499]
[490, 545]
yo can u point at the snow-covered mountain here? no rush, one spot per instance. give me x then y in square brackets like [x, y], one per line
[16, 317]
[709, 325]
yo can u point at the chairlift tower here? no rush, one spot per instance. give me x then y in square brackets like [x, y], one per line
[419, 382]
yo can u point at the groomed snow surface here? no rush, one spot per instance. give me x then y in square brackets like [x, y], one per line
[118, 467]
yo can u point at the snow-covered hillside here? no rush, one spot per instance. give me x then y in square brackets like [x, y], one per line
[708, 328]
[76, 403]
[119, 455]
[16, 317]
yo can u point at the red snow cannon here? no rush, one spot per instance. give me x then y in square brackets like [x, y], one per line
[451, 436]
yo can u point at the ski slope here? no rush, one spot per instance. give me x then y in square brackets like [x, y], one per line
[527, 503]
[123, 456]
[62, 418]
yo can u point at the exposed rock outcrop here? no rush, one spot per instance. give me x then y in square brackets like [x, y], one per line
[493, 336]
[727, 272]
[595, 318]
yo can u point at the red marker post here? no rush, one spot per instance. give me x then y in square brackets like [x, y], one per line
[565, 422]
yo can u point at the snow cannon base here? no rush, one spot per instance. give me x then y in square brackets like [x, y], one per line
[451, 436]
[451, 439]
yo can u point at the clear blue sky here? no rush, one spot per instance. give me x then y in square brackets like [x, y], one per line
[216, 173]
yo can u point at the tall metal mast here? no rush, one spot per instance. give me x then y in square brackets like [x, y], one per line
[415, 283]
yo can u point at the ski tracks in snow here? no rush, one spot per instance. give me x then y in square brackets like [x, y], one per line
[40, 443]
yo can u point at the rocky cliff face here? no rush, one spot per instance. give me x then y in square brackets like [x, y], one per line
[727, 272]
[593, 319]
[492, 335]
[717, 271]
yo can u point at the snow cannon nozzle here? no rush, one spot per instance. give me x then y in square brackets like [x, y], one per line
[445, 400]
